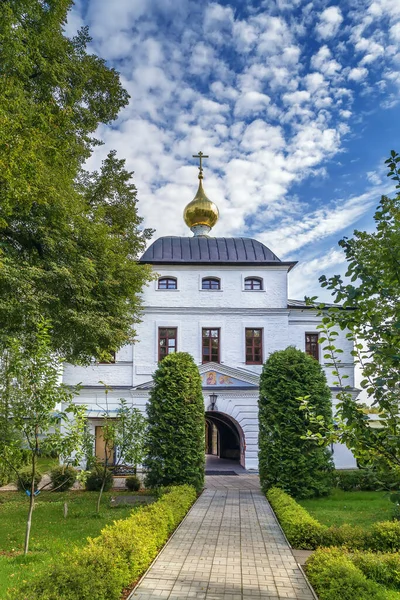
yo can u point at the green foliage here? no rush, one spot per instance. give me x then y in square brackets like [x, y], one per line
[300, 466]
[24, 479]
[63, 477]
[175, 436]
[133, 483]
[301, 529]
[305, 532]
[30, 393]
[121, 553]
[334, 577]
[370, 312]
[382, 568]
[94, 480]
[367, 480]
[384, 537]
[69, 238]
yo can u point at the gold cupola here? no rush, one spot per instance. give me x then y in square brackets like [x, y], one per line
[200, 214]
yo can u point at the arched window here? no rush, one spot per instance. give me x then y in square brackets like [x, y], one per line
[211, 283]
[167, 283]
[253, 283]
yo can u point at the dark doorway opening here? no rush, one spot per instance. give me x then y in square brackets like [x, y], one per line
[224, 437]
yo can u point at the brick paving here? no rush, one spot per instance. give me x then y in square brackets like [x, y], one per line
[228, 548]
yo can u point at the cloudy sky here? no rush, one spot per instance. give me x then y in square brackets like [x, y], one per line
[295, 101]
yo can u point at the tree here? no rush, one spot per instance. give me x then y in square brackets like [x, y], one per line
[38, 409]
[123, 438]
[286, 459]
[369, 308]
[69, 239]
[175, 434]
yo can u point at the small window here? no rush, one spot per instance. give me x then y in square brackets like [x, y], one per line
[167, 283]
[254, 347]
[211, 283]
[166, 341]
[210, 345]
[312, 346]
[253, 283]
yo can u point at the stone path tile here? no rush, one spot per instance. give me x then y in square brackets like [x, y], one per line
[228, 548]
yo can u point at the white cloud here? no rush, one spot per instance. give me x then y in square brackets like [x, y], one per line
[323, 61]
[358, 74]
[329, 23]
[245, 90]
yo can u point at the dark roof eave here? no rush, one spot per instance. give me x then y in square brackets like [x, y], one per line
[221, 263]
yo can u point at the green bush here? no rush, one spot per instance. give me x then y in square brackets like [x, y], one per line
[334, 577]
[94, 480]
[116, 558]
[305, 532]
[25, 477]
[384, 536]
[299, 466]
[175, 435]
[366, 480]
[382, 568]
[349, 536]
[133, 483]
[301, 529]
[63, 477]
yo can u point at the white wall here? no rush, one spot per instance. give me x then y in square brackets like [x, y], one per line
[231, 295]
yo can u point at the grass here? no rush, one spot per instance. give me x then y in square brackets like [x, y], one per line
[354, 508]
[51, 534]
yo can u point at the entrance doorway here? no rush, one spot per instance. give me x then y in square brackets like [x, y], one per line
[224, 437]
[102, 453]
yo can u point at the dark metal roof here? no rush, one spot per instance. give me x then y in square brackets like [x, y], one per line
[203, 249]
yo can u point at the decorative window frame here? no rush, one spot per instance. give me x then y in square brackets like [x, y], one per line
[158, 289]
[213, 277]
[258, 278]
[169, 324]
[262, 346]
[306, 333]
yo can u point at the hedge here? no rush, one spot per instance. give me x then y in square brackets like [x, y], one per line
[366, 480]
[334, 576]
[305, 532]
[116, 558]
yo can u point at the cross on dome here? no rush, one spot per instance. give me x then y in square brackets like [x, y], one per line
[200, 156]
[200, 214]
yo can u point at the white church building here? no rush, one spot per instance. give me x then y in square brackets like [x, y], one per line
[225, 301]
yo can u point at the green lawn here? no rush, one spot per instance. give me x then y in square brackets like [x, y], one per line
[51, 533]
[355, 508]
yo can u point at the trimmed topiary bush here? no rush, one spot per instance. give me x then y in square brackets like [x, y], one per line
[382, 568]
[299, 466]
[334, 577]
[25, 477]
[116, 558]
[301, 529]
[63, 477]
[305, 532]
[175, 435]
[133, 483]
[95, 479]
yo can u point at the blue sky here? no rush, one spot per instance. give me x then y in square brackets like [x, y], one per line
[296, 103]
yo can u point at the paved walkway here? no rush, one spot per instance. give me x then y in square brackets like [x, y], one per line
[228, 548]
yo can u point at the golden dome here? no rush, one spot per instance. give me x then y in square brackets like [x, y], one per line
[201, 211]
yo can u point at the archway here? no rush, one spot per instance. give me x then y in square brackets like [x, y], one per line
[224, 437]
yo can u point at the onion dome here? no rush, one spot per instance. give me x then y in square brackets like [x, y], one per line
[201, 214]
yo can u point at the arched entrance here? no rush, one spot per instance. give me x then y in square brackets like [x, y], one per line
[224, 437]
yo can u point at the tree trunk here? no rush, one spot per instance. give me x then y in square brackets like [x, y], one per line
[31, 505]
[103, 483]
